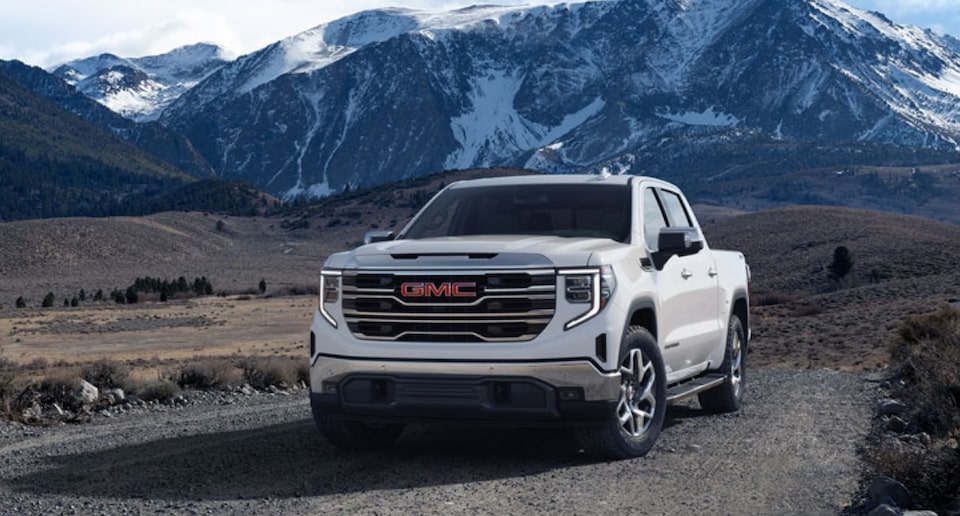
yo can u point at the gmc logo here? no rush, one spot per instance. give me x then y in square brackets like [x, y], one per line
[445, 289]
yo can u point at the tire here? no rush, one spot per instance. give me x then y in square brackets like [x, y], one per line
[728, 396]
[349, 434]
[635, 422]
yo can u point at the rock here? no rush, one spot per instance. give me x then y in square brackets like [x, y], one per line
[87, 393]
[952, 508]
[887, 491]
[246, 390]
[895, 424]
[884, 510]
[919, 513]
[890, 407]
[117, 394]
[33, 413]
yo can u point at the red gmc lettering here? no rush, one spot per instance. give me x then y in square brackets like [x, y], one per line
[446, 289]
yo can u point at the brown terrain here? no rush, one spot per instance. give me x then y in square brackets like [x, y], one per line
[260, 453]
[902, 266]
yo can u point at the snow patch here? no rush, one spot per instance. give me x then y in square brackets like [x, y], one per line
[313, 191]
[494, 129]
[708, 118]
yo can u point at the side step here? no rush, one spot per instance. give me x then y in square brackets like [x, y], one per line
[696, 386]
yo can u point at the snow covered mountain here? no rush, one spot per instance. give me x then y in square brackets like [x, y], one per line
[140, 88]
[635, 85]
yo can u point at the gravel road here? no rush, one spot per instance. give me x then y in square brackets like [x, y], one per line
[791, 450]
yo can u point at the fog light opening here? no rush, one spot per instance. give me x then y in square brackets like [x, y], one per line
[571, 393]
[501, 393]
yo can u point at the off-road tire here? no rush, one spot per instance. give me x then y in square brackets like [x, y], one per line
[635, 422]
[728, 396]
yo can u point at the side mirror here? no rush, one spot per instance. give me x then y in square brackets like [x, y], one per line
[672, 242]
[373, 237]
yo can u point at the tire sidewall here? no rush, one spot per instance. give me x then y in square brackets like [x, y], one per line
[631, 446]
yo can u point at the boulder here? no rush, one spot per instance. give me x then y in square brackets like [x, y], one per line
[114, 396]
[891, 407]
[895, 424]
[87, 393]
[887, 491]
[884, 510]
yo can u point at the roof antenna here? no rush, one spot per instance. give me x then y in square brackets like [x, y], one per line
[604, 173]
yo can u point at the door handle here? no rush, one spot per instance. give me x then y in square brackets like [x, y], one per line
[686, 274]
[712, 272]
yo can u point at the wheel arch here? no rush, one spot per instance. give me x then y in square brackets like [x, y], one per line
[643, 313]
[741, 309]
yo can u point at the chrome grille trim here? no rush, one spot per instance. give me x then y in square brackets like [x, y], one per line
[510, 306]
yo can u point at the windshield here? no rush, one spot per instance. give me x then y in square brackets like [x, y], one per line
[567, 210]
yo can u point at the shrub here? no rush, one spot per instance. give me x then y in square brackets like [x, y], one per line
[107, 374]
[159, 391]
[10, 389]
[21, 303]
[927, 357]
[206, 375]
[303, 372]
[59, 390]
[841, 265]
[263, 373]
[48, 300]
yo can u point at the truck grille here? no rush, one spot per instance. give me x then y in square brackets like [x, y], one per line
[456, 307]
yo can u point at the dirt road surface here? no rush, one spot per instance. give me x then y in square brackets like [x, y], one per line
[791, 450]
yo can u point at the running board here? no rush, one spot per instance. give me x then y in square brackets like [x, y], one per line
[695, 386]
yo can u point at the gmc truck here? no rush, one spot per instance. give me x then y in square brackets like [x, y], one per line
[590, 302]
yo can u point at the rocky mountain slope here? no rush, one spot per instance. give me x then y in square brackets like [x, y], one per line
[631, 85]
[151, 137]
[140, 88]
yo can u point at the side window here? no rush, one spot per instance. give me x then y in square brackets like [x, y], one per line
[676, 213]
[653, 219]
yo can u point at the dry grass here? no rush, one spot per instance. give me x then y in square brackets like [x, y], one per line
[903, 267]
[927, 354]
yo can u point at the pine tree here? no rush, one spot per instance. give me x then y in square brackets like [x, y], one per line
[263, 286]
[48, 300]
[841, 265]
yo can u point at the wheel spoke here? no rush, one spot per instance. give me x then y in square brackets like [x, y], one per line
[637, 400]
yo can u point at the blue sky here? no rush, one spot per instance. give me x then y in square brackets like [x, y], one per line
[48, 32]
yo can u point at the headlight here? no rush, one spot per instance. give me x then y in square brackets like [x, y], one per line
[588, 286]
[329, 294]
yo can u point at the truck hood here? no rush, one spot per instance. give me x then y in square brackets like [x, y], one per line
[500, 252]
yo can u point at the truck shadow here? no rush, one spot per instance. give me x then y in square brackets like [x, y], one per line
[292, 460]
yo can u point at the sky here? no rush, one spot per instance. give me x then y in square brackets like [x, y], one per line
[49, 32]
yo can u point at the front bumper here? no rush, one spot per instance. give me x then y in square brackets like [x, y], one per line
[511, 393]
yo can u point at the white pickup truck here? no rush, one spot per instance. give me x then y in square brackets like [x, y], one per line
[584, 301]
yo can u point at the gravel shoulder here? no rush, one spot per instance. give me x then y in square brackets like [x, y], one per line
[791, 450]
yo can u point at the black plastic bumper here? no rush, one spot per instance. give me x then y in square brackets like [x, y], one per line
[491, 400]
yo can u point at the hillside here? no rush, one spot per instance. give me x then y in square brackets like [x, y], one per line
[902, 265]
[53, 163]
[152, 138]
